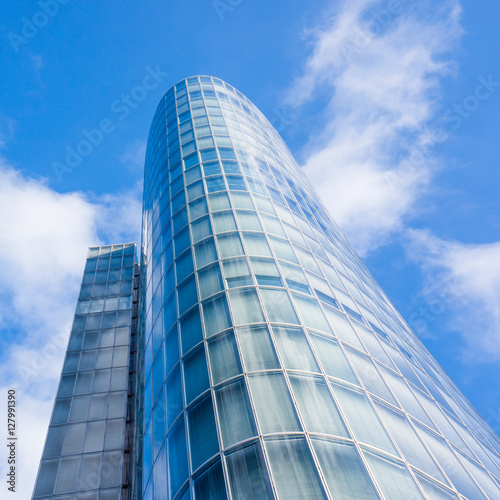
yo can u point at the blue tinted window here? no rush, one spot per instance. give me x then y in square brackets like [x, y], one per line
[177, 454]
[195, 374]
[191, 332]
[174, 395]
[171, 349]
[202, 432]
[184, 266]
[187, 295]
[182, 241]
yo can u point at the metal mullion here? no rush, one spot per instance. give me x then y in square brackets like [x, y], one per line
[342, 415]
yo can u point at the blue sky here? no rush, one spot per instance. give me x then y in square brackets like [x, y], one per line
[392, 108]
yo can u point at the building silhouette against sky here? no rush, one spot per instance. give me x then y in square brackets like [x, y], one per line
[250, 355]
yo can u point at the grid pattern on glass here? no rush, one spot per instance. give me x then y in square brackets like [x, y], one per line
[84, 449]
[252, 291]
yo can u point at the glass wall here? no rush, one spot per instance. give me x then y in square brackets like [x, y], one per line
[274, 365]
[84, 454]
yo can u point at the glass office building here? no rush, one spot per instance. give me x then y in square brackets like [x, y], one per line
[270, 363]
[89, 440]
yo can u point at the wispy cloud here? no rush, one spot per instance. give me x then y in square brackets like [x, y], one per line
[470, 276]
[378, 69]
[44, 236]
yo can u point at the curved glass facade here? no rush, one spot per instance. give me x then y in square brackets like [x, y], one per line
[274, 365]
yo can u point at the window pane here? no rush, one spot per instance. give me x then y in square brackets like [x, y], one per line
[370, 376]
[195, 374]
[54, 443]
[210, 485]
[345, 473]
[310, 312]
[257, 349]
[117, 404]
[174, 400]
[191, 332]
[61, 411]
[272, 225]
[205, 253]
[256, 244]
[88, 477]
[159, 474]
[294, 349]
[316, 405]
[201, 229]
[73, 441]
[294, 472]
[295, 277]
[215, 184]
[216, 315]
[182, 241]
[68, 475]
[342, 328]
[187, 295]
[273, 404]
[241, 200]
[202, 432]
[372, 344]
[219, 201]
[177, 454]
[245, 306]
[278, 306]
[171, 349]
[194, 191]
[224, 357]
[79, 408]
[224, 221]
[491, 488]
[198, 208]
[237, 272]
[392, 476]
[101, 381]
[235, 413]
[230, 245]
[333, 359]
[434, 490]
[94, 436]
[264, 267]
[236, 183]
[452, 466]
[210, 281]
[307, 260]
[283, 249]
[406, 397]
[46, 478]
[114, 434]
[248, 221]
[362, 418]
[408, 441]
[266, 271]
[248, 475]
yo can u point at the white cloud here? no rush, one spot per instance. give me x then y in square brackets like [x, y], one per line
[378, 71]
[44, 236]
[463, 283]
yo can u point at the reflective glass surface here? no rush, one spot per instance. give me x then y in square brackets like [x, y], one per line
[84, 452]
[291, 374]
[272, 365]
